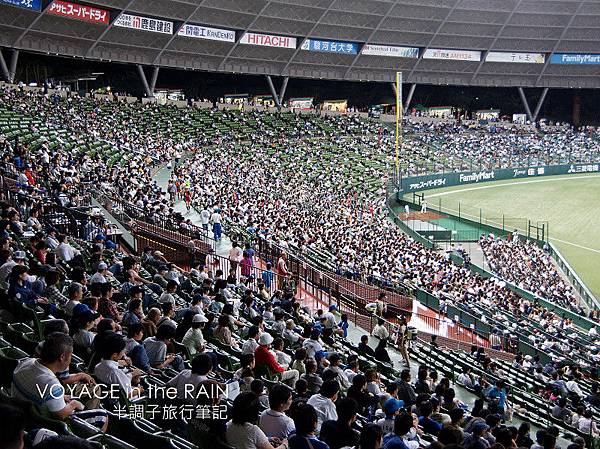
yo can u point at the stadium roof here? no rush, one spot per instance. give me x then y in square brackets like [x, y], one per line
[549, 43]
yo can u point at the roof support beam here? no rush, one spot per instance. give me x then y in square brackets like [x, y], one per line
[13, 65]
[525, 104]
[394, 88]
[107, 29]
[153, 79]
[283, 89]
[411, 91]
[273, 92]
[4, 67]
[144, 81]
[540, 103]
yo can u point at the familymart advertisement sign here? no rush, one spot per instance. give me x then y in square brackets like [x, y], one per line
[436, 181]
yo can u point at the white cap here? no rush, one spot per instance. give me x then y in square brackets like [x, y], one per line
[265, 339]
[199, 318]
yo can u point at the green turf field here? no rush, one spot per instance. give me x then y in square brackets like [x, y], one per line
[570, 205]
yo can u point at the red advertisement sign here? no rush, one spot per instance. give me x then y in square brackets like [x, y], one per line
[80, 12]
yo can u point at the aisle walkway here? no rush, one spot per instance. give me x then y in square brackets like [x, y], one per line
[162, 178]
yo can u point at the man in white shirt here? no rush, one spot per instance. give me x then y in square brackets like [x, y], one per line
[324, 402]
[65, 251]
[188, 380]
[380, 331]
[100, 276]
[17, 258]
[204, 219]
[112, 349]
[274, 422]
[216, 220]
[251, 343]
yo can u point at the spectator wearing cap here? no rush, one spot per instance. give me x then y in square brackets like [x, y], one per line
[16, 258]
[84, 319]
[392, 408]
[265, 358]
[339, 433]
[324, 402]
[193, 339]
[112, 349]
[134, 349]
[35, 380]
[20, 288]
[477, 439]
[273, 421]
[101, 275]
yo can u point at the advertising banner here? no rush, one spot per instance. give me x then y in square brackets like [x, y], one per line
[213, 34]
[436, 181]
[268, 40]
[519, 118]
[455, 55]
[349, 48]
[144, 24]
[79, 12]
[523, 58]
[389, 50]
[35, 5]
[575, 59]
[336, 105]
[300, 103]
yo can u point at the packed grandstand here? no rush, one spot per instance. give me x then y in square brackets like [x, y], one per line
[238, 323]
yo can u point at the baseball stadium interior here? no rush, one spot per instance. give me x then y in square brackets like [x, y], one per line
[299, 224]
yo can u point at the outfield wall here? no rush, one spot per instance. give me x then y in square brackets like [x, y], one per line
[420, 183]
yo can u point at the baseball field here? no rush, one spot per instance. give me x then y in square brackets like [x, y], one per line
[570, 205]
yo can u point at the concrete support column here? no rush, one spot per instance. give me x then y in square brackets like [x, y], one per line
[153, 79]
[4, 67]
[525, 104]
[409, 98]
[540, 103]
[273, 92]
[144, 81]
[13, 65]
[283, 89]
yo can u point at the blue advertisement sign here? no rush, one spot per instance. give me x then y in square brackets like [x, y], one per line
[348, 48]
[575, 58]
[35, 5]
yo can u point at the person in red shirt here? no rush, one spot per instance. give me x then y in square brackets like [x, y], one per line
[264, 357]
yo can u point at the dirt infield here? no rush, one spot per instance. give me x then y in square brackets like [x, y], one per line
[423, 216]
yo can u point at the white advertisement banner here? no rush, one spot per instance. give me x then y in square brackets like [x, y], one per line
[144, 24]
[454, 55]
[523, 58]
[213, 34]
[388, 50]
[268, 40]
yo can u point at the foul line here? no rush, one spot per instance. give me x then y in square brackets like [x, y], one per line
[531, 181]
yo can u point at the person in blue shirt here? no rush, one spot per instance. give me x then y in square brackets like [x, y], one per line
[402, 425]
[305, 421]
[498, 392]
[21, 289]
[425, 421]
[343, 324]
[267, 276]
